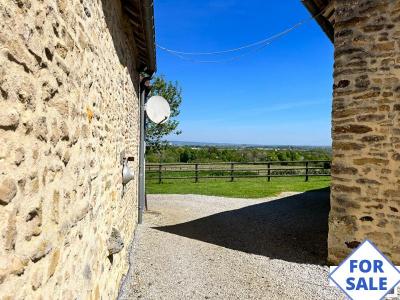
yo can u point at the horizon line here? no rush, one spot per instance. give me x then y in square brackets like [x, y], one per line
[245, 144]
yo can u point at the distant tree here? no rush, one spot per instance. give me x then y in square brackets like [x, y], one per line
[155, 133]
[185, 156]
[295, 156]
[271, 156]
[282, 156]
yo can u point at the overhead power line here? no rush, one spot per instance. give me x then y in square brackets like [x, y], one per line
[261, 43]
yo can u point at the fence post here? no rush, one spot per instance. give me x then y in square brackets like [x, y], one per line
[269, 172]
[307, 171]
[197, 172]
[159, 173]
[232, 168]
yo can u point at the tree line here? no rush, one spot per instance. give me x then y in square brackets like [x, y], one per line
[187, 154]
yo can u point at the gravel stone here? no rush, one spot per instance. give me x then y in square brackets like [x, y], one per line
[203, 247]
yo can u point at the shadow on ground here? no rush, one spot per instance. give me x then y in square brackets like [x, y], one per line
[293, 228]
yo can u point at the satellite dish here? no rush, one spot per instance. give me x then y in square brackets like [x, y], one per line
[158, 110]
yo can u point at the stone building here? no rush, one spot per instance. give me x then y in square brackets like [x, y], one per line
[69, 85]
[365, 192]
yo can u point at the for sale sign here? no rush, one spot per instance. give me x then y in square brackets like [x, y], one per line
[366, 274]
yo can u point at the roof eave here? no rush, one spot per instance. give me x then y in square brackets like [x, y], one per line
[323, 22]
[141, 16]
[148, 11]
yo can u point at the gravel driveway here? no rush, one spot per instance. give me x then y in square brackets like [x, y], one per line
[202, 247]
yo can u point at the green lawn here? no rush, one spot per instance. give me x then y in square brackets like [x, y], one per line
[240, 188]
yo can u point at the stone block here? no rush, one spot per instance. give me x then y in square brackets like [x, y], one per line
[8, 190]
[115, 243]
[9, 117]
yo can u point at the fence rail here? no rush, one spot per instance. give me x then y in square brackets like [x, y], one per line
[232, 170]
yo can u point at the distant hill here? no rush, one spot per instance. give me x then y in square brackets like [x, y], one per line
[235, 146]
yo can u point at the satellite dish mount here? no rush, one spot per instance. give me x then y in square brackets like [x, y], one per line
[158, 109]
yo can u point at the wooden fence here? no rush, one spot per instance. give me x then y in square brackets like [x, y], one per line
[232, 170]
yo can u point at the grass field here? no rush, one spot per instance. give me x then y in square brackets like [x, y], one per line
[240, 188]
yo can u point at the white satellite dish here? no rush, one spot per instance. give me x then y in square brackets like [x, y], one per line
[158, 110]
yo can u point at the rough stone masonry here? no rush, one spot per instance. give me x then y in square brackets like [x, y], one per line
[365, 197]
[68, 108]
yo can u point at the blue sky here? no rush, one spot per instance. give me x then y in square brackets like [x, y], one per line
[279, 95]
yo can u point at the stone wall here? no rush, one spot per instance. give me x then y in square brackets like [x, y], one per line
[68, 108]
[365, 198]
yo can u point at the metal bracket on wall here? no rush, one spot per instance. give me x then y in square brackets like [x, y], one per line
[127, 174]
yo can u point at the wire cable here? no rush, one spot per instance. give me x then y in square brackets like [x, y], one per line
[221, 60]
[262, 43]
